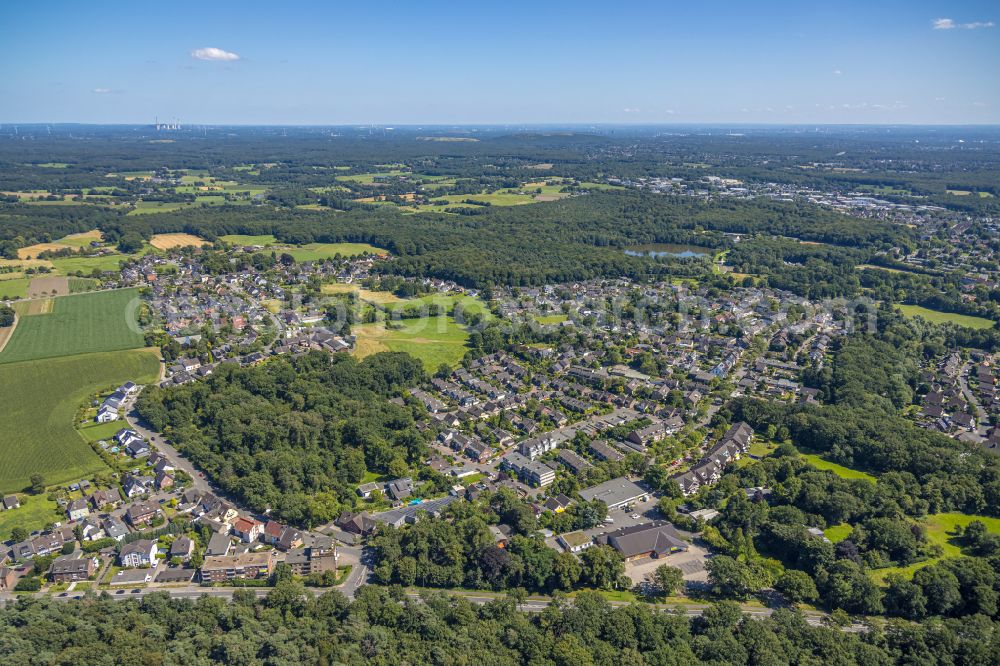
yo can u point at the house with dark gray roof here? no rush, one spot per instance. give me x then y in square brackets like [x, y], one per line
[656, 539]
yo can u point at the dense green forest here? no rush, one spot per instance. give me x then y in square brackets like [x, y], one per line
[382, 627]
[295, 435]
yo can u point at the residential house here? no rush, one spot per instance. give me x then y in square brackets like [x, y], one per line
[77, 509]
[69, 569]
[248, 529]
[141, 553]
[218, 544]
[114, 528]
[106, 414]
[356, 523]
[101, 499]
[8, 578]
[182, 547]
[142, 513]
[135, 485]
[400, 489]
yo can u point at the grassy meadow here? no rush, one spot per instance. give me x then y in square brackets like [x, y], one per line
[938, 317]
[319, 251]
[841, 471]
[432, 340]
[940, 531]
[41, 399]
[244, 239]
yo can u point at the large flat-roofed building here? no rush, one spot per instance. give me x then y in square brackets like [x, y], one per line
[220, 568]
[532, 472]
[616, 493]
[656, 539]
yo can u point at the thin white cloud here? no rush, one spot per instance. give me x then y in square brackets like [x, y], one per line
[837, 72]
[949, 24]
[629, 109]
[212, 53]
[102, 91]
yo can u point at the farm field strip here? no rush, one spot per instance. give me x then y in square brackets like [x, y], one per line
[41, 399]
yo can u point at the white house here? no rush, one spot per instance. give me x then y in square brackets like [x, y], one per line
[138, 553]
[106, 414]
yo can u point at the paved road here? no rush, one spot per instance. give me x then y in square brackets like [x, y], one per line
[530, 605]
[982, 420]
[135, 422]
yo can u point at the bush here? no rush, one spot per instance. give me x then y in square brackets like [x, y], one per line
[29, 584]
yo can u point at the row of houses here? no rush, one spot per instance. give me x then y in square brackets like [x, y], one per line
[708, 470]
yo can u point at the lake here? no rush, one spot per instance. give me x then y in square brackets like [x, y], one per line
[667, 250]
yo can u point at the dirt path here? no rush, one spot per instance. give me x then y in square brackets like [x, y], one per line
[7, 333]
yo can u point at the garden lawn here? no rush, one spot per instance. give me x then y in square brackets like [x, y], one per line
[938, 317]
[81, 323]
[41, 400]
[35, 512]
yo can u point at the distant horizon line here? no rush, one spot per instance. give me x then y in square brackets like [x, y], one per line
[414, 125]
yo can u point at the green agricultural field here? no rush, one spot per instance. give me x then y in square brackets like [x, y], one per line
[80, 285]
[551, 318]
[369, 178]
[149, 207]
[35, 512]
[938, 317]
[839, 470]
[41, 399]
[243, 239]
[940, 530]
[15, 288]
[86, 265]
[78, 324]
[318, 251]
[433, 340]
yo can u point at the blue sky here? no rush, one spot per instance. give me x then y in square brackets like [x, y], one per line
[512, 62]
